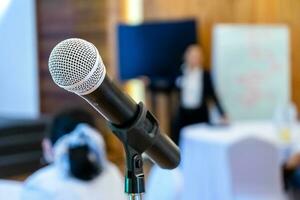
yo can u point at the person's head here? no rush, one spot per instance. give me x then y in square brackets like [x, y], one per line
[81, 153]
[64, 123]
[193, 56]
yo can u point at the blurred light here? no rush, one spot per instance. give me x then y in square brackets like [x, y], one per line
[134, 15]
[136, 89]
[134, 11]
[4, 4]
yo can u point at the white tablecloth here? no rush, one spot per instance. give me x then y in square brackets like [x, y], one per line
[208, 171]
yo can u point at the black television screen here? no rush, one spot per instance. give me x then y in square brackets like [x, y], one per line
[154, 49]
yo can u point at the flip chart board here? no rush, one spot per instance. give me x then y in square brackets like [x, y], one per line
[251, 67]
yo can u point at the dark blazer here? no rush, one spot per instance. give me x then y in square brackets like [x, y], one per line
[209, 93]
[208, 96]
[187, 116]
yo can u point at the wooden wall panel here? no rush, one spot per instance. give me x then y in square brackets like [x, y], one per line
[62, 19]
[208, 13]
[93, 20]
[59, 20]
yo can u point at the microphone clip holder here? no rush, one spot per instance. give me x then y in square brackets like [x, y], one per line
[134, 179]
[136, 139]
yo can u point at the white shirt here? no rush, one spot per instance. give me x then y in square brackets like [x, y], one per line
[191, 88]
[49, 184]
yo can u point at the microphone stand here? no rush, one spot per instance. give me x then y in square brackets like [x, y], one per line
[134, 175]
[134, 178]
[137, 136]
[135, 197]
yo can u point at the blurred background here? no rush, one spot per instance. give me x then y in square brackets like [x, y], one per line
[249, 145]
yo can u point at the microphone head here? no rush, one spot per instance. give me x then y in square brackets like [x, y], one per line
[76, 66]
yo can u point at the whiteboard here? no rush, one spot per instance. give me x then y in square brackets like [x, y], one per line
[251, 67]
[19, 91]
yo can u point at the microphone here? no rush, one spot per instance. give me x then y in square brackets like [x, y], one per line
[76, 66]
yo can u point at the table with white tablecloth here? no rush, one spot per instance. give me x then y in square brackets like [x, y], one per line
[215, 159]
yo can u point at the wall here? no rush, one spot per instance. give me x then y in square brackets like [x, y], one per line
[19, 91]
[62, 19]
[59, 20]
[210, 12]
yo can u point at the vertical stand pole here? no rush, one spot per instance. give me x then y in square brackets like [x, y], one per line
[142, 135]
[135, 196]
[134, 179]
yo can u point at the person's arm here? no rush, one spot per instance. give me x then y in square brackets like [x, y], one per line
[212, 94]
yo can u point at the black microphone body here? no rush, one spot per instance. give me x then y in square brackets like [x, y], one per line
[76, 66]
[124, 114]
[114, 105]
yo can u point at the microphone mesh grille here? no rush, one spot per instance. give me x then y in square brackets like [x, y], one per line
[71, 63]
[90, 83]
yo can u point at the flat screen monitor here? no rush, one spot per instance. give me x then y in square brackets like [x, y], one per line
[154, 49]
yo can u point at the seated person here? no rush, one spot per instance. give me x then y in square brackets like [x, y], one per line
[78, 168]
[291, 173]
[197, 91]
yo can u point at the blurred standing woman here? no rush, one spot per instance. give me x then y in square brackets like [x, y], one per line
[78, 168]
[196, 93]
